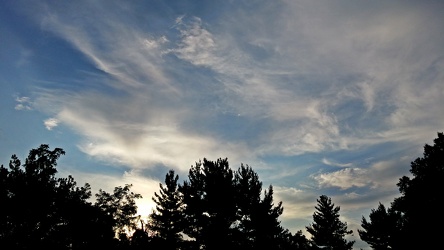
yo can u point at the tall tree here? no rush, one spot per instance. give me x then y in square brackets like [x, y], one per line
[166, 221]
[420, 196]
[382, 231]
[209, 206]
[327, 230]
[39, 210]
[258, 218]
[269, 232]
[121, 206]
[248, 197]
[193, 193]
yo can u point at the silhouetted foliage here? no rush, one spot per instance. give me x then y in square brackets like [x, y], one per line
[299, 241]
[327, 230]
[268, 228]
[140, 239]
[209, 204]
[121, 206]
[382, 228]
[258, 218]
[415, 221]
[39, 210]
[215, 208]
[166, 222]
[248, 197]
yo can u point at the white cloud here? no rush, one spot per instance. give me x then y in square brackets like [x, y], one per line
[335, 164]
[23, 103]
[308, 72]
[344, 178]
[142, 138]
[297, 203]
[197, 44]
[51, 123]
[379, 176]
[303, 120]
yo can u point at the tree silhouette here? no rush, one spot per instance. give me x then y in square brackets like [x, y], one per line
[140, 239]
[327, 230]
[209, 204]
[416, 220]
[121, 206]
[166, 221]
[382, 228]
[39, 210]
[419, 196]
[258, 224]
[248, 197]
[269, 232]
[298, 241]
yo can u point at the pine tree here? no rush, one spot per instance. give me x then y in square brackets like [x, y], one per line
[248, 197]
[259, 226]
[209, 204]
[194, 209]
[269, 231]
[412, 219]
[379, 232]
[420, 197]
[327, 230]
[166, 221]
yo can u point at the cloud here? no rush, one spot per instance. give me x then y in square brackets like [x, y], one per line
[51, 123]
[297, 203]
[344, 178]
[379, 176]
[23, 103]
[141, 138]
[335, 164]
[197, 44]
[306, 82]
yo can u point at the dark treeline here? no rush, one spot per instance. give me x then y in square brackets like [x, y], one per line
[216, 207]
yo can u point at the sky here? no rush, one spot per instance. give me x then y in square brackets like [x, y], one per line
[331, 98]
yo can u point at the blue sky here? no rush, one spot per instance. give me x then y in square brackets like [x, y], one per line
[319, 97]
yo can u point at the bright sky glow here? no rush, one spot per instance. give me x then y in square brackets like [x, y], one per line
[319, 97]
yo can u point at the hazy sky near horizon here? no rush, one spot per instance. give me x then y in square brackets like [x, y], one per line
[319, 97]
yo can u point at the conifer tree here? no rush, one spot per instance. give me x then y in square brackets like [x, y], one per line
[380, 231]
[420, 197]
[327, 230]
[269, 231]
[259, 226]
[209, 204]
[166, 221]
[416, 220]
[248, 197]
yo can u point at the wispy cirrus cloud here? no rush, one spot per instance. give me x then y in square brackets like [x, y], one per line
[307, 91]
